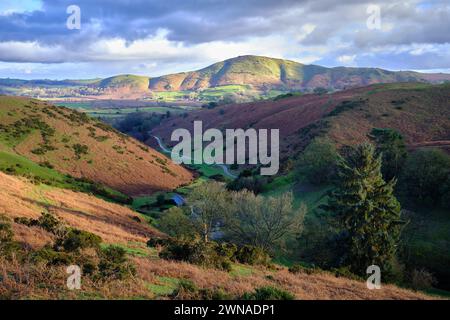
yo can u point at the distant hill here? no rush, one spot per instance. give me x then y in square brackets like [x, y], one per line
[246, 76]
[421, 112]
[269, 73]
[40, 139]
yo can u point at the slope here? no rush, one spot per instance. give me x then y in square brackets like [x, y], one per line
[346, 116]
[39, 135]
[155, 277]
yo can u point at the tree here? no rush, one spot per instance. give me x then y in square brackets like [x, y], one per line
[318, 161]
[176, 223]
[263, 222]
[424, 176]
[364, 205]
[209, 203]
[391, 145]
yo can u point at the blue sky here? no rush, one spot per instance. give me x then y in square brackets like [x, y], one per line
[154, 37]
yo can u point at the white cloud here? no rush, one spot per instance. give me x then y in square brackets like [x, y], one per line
[347, 59]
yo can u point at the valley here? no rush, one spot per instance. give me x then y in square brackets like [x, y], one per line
[102, 168]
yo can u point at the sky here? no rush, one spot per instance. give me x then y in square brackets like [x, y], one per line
[156, 37]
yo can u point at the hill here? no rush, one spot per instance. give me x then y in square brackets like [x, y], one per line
[42, 140]
[346, 116]
[243, 78]
[268, 73]
[155, 278]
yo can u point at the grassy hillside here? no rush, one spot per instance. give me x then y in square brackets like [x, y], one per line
[154, 277]
[47, 141]
[130, 81]
[346, 116]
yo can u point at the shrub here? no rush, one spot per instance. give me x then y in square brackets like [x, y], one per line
[422, 279]
[268, 293]
[8, 246]
[209, 254]
[114, 263]
[345, 272]
[252, 255]
[75, 240]
[298, 268]
[50, 256]
[155, 242]
[80, 150]
[49, 223]
[46, 221]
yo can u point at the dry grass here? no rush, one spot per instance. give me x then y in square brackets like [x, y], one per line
[323, 286]
[114, 223]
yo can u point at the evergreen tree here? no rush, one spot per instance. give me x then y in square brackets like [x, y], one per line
[368, 211]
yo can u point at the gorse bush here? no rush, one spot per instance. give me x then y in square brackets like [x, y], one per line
[209, 254]
[50, 256]
[252, 255]
[8, 247]
[46, 221]
[114, 263]
[196, 251]
[74, 246]
[75, 240]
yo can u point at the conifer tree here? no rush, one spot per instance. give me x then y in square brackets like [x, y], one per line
[366, 208]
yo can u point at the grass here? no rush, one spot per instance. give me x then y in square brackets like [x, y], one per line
[239, 270]
[164, 286]
[136, 249]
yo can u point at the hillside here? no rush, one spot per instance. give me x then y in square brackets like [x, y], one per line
[243, 77]
[268, 73]
[39, 139]
[155, 278]
[346, 116]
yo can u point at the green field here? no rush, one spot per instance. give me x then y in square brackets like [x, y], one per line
[117, 112]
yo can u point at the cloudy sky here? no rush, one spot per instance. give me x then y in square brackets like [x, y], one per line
[154, 37]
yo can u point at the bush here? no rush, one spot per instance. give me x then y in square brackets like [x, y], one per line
[156, 242]
[46, 221]
[49, 223]
[268, 293]
[422, 279]
[196, 251]
[75, 240]
[114, 263]
[297, 268]
[318, 161]
[251, 183]
[252, 255]
[8, 247]
[345, 272]
[50, 256]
